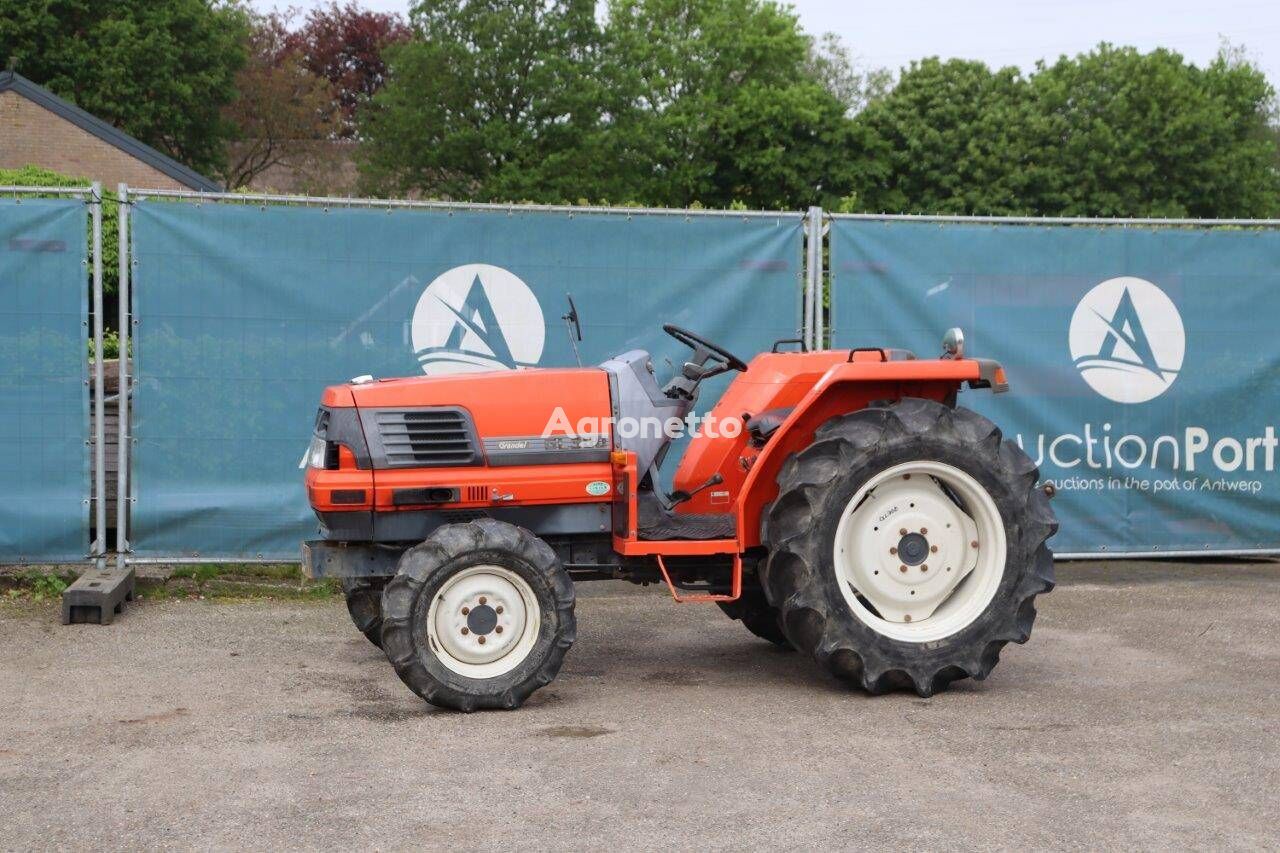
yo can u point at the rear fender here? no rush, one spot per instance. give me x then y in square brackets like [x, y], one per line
[846, 388]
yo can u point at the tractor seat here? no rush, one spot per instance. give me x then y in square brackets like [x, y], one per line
[766, 424]
[656, 522]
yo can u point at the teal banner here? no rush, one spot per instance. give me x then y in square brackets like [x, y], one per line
[246, 313]
[1144, 363]
[44, 398]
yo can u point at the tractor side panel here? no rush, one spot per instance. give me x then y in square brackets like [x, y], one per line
[522, 446]
[772, 381]
[836, 398]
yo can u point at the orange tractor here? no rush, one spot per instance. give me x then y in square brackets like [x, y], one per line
[836, 502]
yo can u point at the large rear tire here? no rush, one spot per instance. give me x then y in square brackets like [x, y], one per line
[851, 549]
[480, 615]
[364, 603]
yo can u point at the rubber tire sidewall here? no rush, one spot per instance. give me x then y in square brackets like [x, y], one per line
[426, 568]
[816, 616]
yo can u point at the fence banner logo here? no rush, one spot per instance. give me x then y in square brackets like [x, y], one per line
[1127, 340]
[1143, 363]
[477, 317]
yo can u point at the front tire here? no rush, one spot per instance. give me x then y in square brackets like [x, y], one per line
[850, 546]
[480, 615]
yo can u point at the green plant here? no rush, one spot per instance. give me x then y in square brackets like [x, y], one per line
[34, 176]
[43, 585]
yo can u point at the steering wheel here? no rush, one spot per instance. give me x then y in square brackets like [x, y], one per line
[701, 346]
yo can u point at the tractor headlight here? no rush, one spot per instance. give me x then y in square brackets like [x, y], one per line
[316, 452]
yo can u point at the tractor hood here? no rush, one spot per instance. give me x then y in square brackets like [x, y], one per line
[501, 404]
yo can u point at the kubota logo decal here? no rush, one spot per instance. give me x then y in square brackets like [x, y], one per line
[1127, 340]
[477, 317]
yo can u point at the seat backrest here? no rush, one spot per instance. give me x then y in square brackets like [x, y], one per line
[640, 406]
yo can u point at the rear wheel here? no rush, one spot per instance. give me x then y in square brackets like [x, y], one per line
[907, 546]
[479, 615]
[758, 617]
[364, 603]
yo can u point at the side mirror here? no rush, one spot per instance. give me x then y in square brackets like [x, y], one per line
[953, 343]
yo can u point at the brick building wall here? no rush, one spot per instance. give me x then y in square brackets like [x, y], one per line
[31, 135]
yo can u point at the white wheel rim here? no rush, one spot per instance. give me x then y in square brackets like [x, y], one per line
[483, 622]
[923, 544]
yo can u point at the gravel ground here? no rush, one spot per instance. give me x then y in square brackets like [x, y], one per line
[1143, 713]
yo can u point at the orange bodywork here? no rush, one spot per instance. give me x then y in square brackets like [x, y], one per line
[502, 404]
[524, 403]
[817, 387]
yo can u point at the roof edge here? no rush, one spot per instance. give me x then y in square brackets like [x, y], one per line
[13, 81]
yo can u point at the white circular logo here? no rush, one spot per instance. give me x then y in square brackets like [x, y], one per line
[477, 317]
[1127, 340]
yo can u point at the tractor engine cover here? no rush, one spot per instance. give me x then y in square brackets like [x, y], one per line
[393, 460]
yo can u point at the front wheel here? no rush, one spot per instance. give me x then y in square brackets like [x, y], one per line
[479, 615]
[907, 546]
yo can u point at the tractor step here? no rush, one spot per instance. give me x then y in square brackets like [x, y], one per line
[97, 597]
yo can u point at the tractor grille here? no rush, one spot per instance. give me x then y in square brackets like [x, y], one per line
[424, 438]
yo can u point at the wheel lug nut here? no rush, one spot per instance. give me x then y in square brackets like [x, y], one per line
[924, 531]
[498, 629]
[933, 549]
[482, 599]
[925, 567]
[498, 609]
[902, 532]
[481, 641]
[465, 631]
[902, 568]
[893, 550]
[466, 610]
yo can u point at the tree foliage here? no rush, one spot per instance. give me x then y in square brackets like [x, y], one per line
[942, 142]
[1121, 133]
[669, 102]
[1113, 132]
[160, 70]
[344, 45]
[717, 105]
[279, 105]
[487, 100]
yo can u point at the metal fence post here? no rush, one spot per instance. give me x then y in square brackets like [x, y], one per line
[99, 403]
[122, 429]
[823, 282]
[813, 278]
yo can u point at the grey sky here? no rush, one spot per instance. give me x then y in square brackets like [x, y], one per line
[1018, 32]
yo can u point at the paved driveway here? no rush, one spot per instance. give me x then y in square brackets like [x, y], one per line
[1143, 712]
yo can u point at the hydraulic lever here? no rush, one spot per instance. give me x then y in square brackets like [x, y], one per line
[679, 496]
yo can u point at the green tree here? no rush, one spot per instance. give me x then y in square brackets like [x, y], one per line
[719, 105]
[160, 70]
[672, 102]
[1113, 132]
[491, 101]
[948, 139]
[1123, 133]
